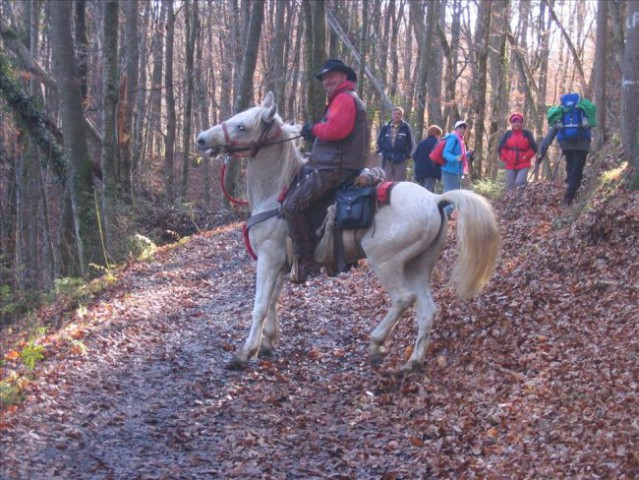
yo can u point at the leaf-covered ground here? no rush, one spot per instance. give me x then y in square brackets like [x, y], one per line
[536, 378]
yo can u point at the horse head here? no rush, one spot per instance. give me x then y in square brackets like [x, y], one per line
[247, 131]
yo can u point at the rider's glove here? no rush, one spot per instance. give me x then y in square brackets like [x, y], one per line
[307, 132]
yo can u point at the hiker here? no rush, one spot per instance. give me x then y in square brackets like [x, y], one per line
[340, 148]
[395, 144]
[516, 149]
[570, 122]
[427, 173]
[456, 160]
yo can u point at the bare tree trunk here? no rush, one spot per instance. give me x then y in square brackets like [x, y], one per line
[154, 127]
[483, 42]
[127, 100]
[395, 23]
[26, 253]
[600, 72]
[192, 32]
[435, 62]
[109, 109]
[141, 96]
[630, 93]
[499, 70]
[315, 24]
[81, 46]
[544, 55]
[417, 22]
[275, 75]
[361, 91]
[85, 233]
[244, 94]
[201, 79]
[295, 75]
[49, 257]
[169, 140]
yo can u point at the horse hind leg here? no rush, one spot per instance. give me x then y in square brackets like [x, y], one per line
[425, 310]
[418, 274]
[401, 299]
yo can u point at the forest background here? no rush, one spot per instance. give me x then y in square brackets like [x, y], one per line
[100, 102]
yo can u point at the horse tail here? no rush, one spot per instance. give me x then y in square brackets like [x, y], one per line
[478, 241]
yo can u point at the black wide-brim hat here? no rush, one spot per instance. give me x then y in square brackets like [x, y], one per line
[335, 64]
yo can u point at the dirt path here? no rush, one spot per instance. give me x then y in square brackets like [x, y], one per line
[511, 388]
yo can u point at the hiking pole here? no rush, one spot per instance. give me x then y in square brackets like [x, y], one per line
[552, 178]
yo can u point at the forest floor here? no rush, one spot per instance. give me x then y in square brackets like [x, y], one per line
[535, 378]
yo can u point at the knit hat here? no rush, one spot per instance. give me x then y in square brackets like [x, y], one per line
[460, 123]
[515, 116]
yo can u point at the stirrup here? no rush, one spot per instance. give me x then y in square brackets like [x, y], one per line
[296, 273]
[303, 268]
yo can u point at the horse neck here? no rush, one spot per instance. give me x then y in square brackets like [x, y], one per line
[264, 176]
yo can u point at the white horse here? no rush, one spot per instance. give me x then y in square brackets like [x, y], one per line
[402, 246]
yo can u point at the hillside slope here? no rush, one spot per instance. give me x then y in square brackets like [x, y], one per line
[535, 378]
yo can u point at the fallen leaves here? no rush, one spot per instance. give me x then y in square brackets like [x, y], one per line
[535, 378]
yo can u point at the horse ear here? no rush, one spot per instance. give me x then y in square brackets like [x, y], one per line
[269, 103]
[268, 100]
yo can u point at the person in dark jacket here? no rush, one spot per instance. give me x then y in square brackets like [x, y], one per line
[427, 173]
[340, 149]
[395, 144]
[575, 150]
[516, 149]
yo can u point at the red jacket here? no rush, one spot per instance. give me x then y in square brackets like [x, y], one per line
[516, 149]
[339, 120]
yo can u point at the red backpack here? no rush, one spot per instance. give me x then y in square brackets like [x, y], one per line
[437, 155]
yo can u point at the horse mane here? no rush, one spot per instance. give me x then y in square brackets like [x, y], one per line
[292, 159]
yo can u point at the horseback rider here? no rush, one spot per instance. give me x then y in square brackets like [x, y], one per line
[340, 148]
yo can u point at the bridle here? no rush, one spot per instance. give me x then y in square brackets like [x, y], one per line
[233, 150]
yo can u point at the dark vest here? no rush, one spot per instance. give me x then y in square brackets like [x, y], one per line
[349, 153]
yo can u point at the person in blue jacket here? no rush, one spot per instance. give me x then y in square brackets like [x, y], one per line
[456, 160]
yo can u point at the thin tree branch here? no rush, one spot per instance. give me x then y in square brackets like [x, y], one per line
[333, 22]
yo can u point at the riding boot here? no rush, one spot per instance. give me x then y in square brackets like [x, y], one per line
[304, 264]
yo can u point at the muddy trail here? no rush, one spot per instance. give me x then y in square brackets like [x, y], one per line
[534, 378]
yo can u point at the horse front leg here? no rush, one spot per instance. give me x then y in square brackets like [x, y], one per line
[271, 331]
[267, 287]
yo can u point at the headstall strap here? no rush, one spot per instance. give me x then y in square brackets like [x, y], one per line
[234, 151]
[251, 150]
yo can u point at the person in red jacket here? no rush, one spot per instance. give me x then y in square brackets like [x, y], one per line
[516, 149]
[340, 149]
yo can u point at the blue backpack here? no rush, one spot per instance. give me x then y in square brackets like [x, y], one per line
[572, 120]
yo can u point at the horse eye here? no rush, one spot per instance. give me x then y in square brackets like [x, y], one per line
[241, 128]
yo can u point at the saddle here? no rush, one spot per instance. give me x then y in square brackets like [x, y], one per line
[340, 221]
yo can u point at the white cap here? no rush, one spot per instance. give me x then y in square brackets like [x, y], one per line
[460, 123]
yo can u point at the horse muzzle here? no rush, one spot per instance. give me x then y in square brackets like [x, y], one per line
[211, 151]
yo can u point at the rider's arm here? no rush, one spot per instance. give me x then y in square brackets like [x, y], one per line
[339, 121]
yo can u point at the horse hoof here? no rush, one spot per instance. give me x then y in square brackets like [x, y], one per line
[377, 359]
[411, 367]
[236, 364]
[265, 352]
